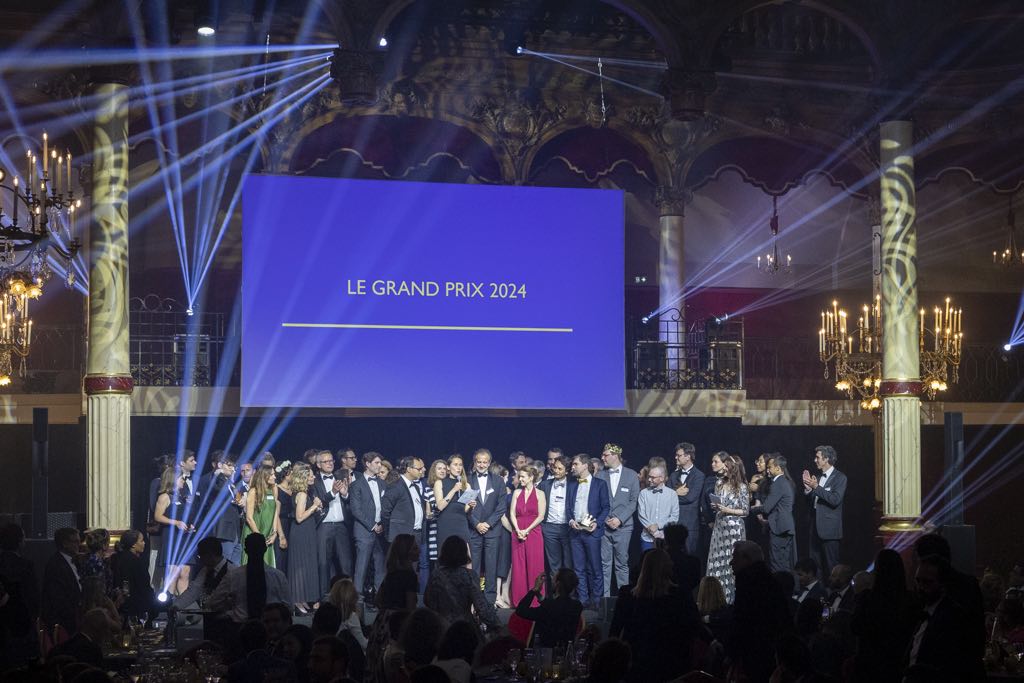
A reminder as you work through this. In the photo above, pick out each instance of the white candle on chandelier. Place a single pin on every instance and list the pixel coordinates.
(58, 173)
(45, 150)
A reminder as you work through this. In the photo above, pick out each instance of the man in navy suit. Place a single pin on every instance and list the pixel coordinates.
(826, 494)
(62, 592)
(778, 507)
(401, 508)
(364, 500)
(587, 501)
(485, 521)
(688, 483)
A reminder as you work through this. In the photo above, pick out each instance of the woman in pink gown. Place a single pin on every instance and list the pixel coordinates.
(526, 513)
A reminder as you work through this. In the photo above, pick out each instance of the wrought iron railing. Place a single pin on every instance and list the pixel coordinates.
(169, 347)
(666, 354)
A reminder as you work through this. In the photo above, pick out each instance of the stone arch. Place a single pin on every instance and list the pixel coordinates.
(593, 153)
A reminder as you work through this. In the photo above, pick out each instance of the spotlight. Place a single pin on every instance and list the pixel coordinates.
(206, 30)
(189, 311)
(162, 597)
(383, 42)
(519, 49)
(1007, 347)
(205, 18)
(719, 319)
(645, 320)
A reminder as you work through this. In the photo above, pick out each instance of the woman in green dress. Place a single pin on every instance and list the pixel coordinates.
(262, 513)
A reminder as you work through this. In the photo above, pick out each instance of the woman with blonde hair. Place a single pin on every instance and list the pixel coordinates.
(731, 504)
(451, 514)
(526, 511)
(343, 595)
(262, 513)
(303, 569)
(167, 512)
(714, 611)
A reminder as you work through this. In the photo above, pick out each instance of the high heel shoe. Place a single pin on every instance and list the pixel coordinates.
(301, 610)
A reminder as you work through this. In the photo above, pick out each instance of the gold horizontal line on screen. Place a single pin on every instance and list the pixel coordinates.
(456, 328)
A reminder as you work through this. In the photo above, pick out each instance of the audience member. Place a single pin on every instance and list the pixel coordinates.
(247, 589)
(400, 585)
(62, 592)
(256, 663)
(345, 597)
(85, 644)
(94, 561)
(277, 617)
(453, 589)
(685, 567)
(883, 619)
(713, 609)
(963, 589)
(611, 662)
(558, 618)
(457, 648)
(131, 570)
(326, 620)
(810, 587)
(295, 645)
(18, 638)
(419, 639)
(760, 613)
(841, 592)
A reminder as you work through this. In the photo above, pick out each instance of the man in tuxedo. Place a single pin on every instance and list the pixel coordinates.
(840, 586)
(825, 494)
(401, 507)
(62, 591)
(213, 567)
(364, 502)
(590, 504)
(940, 649)
(555, 527)
(485, 521)
(778, 507)
(190, 492)
(516, 461)
(624, 492)
(334, 543)
(688, 483)
(809, 587)
(222, 515)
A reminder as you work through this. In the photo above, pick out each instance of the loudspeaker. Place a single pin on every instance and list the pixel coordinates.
(954, 461)
(962, 544)
(40, 467)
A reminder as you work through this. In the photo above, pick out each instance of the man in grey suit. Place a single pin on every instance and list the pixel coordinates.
(364, 500)
(485, 521)
(688, 483)
(825, 494)
(778, 507)
(401, 507)
(624, 488)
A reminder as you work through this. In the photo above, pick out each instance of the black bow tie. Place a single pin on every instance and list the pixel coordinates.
(657, 490)
(327, 476)
(615, 471)
(559, 484)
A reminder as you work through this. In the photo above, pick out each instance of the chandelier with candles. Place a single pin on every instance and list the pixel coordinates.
(37, 223)
(852, 353)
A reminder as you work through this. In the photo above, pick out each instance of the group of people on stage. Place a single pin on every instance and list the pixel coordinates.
(326, 516)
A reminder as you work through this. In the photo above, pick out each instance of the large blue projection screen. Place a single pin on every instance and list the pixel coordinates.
(380, 294)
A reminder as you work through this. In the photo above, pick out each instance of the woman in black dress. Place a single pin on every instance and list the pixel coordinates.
(303, 571)
(285, 499)
(132, 572)
(451, 514)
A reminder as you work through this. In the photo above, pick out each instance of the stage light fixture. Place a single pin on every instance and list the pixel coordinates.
(383, 42)
(645, 320)
(1007, 347)
(162, 597)
(205, 18)
(189, 312)
(519, 49)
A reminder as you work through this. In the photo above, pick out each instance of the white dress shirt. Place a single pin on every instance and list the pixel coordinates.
(556, 507)
(806, 591)
(74, 569)
(582, 498)
(482, 480)
(231, 599)
(374, 485)
(197, 585)
(335, 511)
(825, 474)
(614, 475)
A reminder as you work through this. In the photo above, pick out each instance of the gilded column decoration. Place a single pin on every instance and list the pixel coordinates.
(901, 383)
(108, 382)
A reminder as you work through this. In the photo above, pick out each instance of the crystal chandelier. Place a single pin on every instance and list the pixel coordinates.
(1011, 255)
(37, 218)
(772, 262)
(852, 354)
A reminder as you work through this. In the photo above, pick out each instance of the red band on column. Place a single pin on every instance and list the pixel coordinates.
(906, 388)
(108, 384)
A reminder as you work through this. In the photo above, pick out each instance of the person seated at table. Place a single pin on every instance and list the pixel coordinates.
(212, 568)
(84, 646)
(557, 619)
(246, 590)
(257, 664)
(130, 567)
(453, 590)
(456, 651)
(328, 661)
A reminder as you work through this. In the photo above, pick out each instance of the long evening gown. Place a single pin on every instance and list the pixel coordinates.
(728, 529)
(303, 569)
(528, 555)
(264, 517)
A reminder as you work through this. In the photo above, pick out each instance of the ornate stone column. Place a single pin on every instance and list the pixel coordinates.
(671, 202)
(108, 382)
(901, 381)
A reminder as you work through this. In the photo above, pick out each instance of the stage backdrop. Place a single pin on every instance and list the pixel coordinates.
(359, 293)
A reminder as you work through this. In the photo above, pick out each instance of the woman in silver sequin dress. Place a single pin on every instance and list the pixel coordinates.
(729, 518)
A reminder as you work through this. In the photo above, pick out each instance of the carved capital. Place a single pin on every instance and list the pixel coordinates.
(356, 75)
(672, 201)
(686, 90)
(519, 120)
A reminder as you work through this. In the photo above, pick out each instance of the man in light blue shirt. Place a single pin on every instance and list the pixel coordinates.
(656, 509)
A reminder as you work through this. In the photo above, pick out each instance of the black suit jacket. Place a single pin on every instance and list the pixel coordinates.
(361, 506)
(324, 494)
(817, 592)
(778, 507)
(556, 620)
(493, 508)
(942, 647)
(62, 595)
(219, 510)
(685, 570)
(398, 512)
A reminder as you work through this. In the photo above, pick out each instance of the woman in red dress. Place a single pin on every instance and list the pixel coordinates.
(526, 513)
